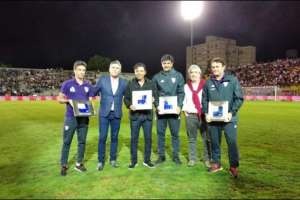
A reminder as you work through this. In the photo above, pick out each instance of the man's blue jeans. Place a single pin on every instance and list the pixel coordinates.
(135, 126)
(103, 132)
(230, 130)
(72, 124)
(174, 125)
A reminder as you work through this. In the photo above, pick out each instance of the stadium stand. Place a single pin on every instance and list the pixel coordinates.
(281, 72)
(281, 76)
(47, 82)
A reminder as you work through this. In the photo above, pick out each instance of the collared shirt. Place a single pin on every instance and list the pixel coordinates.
(214, 79)
(73, 90)
(114, 87)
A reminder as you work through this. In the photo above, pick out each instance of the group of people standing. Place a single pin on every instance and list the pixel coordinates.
(193, 98)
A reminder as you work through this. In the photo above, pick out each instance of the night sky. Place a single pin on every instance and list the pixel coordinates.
(54, 34)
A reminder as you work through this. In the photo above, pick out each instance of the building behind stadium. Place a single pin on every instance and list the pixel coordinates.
(225, 48)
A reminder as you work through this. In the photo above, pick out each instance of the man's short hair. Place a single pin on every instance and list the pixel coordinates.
(218, 60)
(167, 57)
(78, 63)
(191, 67)
(115, 62)
(139, 65)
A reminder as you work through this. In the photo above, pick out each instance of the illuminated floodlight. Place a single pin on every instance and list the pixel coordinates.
(191, 9)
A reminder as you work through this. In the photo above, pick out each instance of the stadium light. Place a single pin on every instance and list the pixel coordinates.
(190, 10)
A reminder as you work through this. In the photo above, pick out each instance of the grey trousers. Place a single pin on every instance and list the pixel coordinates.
(193, 126)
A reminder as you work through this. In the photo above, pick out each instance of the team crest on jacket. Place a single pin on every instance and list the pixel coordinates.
(225, 84)
(173, 80)
(86, 89)
(72, 89)
(212, 87)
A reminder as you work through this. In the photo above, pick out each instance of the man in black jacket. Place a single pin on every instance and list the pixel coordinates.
(140, 118)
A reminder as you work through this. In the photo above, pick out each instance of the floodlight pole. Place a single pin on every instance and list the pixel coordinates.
(192, 56)
(191, 25)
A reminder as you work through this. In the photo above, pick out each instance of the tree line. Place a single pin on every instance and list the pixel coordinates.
(96, 62)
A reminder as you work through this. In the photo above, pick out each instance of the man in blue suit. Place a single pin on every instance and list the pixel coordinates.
(111, 90)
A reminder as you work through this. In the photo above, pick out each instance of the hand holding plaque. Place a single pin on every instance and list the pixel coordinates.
(82, 108)
(168, 105)
(142, 100)
(228, 118)
(218, 111)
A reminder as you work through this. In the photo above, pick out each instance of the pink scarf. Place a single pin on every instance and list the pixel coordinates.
(196, 100)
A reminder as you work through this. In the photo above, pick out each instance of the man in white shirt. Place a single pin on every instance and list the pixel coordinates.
(194, 116)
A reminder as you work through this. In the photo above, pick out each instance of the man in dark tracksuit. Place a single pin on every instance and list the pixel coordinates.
(140, 118)
(169, 82)
(223, 87)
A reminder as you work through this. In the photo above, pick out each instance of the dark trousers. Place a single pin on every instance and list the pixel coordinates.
(174, 125)
(72, 124)
(230, 130)
(135, 126)
(103, 132)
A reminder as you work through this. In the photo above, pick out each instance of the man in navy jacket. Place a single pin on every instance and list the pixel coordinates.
(111, 90)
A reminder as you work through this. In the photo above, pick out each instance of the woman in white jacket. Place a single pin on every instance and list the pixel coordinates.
(195, 120)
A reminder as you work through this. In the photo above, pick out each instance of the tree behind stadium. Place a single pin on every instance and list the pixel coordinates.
(98, 62)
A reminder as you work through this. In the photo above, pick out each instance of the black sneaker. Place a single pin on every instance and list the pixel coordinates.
(177, 161)
(100, 166)
(63, 170)
(80, 168)
(132, 165)
(148, 164)
(160, 160)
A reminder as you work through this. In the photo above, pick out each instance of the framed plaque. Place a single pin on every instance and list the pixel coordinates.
(167, 105)
(218, 110)
(142, 100)
(83, 108)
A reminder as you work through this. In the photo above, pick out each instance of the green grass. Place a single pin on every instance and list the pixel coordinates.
(31, 138)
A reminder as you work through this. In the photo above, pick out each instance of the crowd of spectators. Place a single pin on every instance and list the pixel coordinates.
(23, 82)
(281, 72)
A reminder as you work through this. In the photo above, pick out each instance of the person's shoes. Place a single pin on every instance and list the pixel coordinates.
(234, 172)
(80, 168)
(207, 163)
(132, 165)
(63, 170)
(215, 168)
(160, 160)
(177, 161)
(148, 164)
(100, 166)
(191, 163)
(114, 164)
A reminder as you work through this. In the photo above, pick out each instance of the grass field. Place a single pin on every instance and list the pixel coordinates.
(30, 145)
